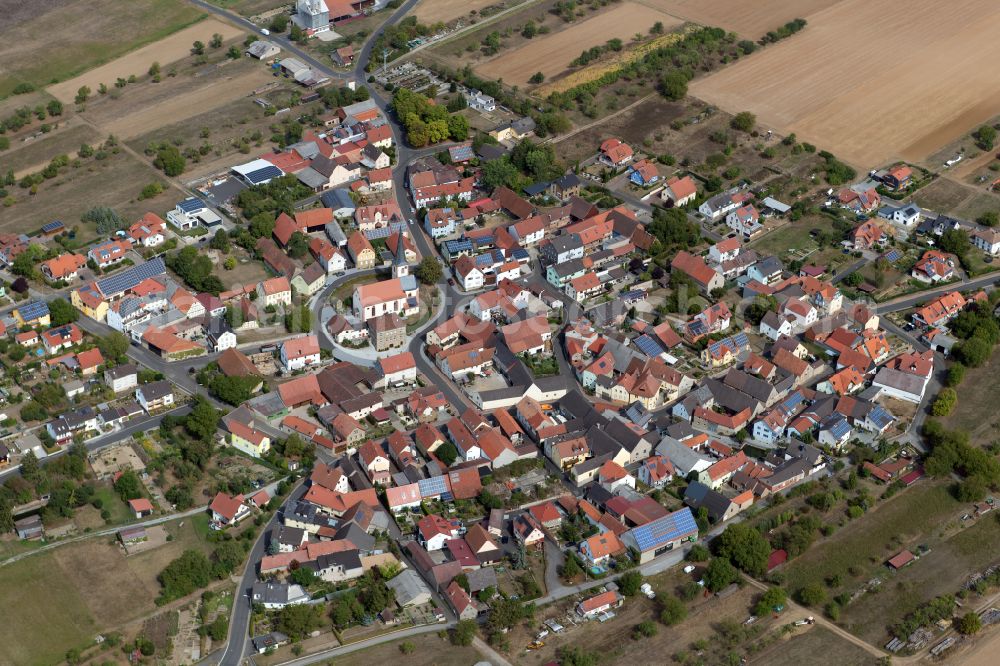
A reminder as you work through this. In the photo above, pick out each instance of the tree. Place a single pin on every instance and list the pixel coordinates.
(62, 312)
(304, 576)
(744, 121)
(169, 160)
(407, 647)
(630, 582)
(220, 241)
(945, 402)
(106, 219)
(970, 624)
(184, 575)
(198, 48)
(698, 553)
(113, 345)
(151, 190)
(986, 137)
(298, 245)
(812, 595)
(529, 30)
(989, 219)
(746, 547)
(228, 555)
(458, 128)
(761, 305)
(82, 94)
(571, 567)
(446, 453)
(279, 23)
(537, 77)
(955, 241)
(973, 352)
(216, 41)
(234, 53)
(30, 469)
(673, 612)
(719, 574)
(773, 598)
(674, 85)
(128, 486)
(299, 621)
(956, 373)
(219, 628)
(464, 632)
(55, 108)
(429, 270)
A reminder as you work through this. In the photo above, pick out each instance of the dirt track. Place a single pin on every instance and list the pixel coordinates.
(165, 51)
(551, 54)
(872, 86)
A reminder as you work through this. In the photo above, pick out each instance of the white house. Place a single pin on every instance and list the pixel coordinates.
(155, 395)
(906, 216)
(773, 325)
(987, 240)
(300, 352)
(801, 312)
(397, 369)
(724, 250)
(468, 274)
(122, 378)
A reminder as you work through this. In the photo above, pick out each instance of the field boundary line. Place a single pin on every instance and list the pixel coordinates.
(473, 26)
(582, 128)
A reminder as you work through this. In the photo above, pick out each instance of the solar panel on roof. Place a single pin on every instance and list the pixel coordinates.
(664, 530)
(697, 327)
(128, 279)
(33, 310)
(893, 255)
(432, 487)
(520, 253)
(55, 225)
(648, 346)
(263, 174)
(191, 205)
(741, 339)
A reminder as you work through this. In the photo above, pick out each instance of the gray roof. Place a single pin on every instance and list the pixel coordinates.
(681, 456)
(699, 495)
(480, 579)
(901, 381)
(156, 390)
(769, 265)
(408, 586)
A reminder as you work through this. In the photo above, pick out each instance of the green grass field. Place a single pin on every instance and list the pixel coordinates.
(75, 37)
(46, 615)
(909, 518)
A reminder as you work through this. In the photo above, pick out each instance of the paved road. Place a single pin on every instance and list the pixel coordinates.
(238, 642)
(907, 302)
(132, 427)
(843, 273)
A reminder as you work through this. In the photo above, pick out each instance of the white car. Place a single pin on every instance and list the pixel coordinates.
(265, 32)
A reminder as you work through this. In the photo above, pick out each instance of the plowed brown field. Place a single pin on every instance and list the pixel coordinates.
(871, 85)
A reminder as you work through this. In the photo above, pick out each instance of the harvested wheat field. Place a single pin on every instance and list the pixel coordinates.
(747, 18)
(446, 11)
(552, 54)
(165, 51)
(175, 108)
(872, 86)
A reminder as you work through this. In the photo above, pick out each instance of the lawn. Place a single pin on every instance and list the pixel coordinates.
(120, 512)
(57, 608)
(51, 615)
(943, 570)
(87, 34)
(907, 519)
(976, 398)
(815, 646)
(429, 650)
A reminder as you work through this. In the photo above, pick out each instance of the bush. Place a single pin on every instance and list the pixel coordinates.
(630, 583)
(673, 612)
(811, 595)
(698, 553)
(771, 599)
(464, 632)
(956, 373)
(743, 121)
(945, 402)
(645, 629)
(970, 624)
